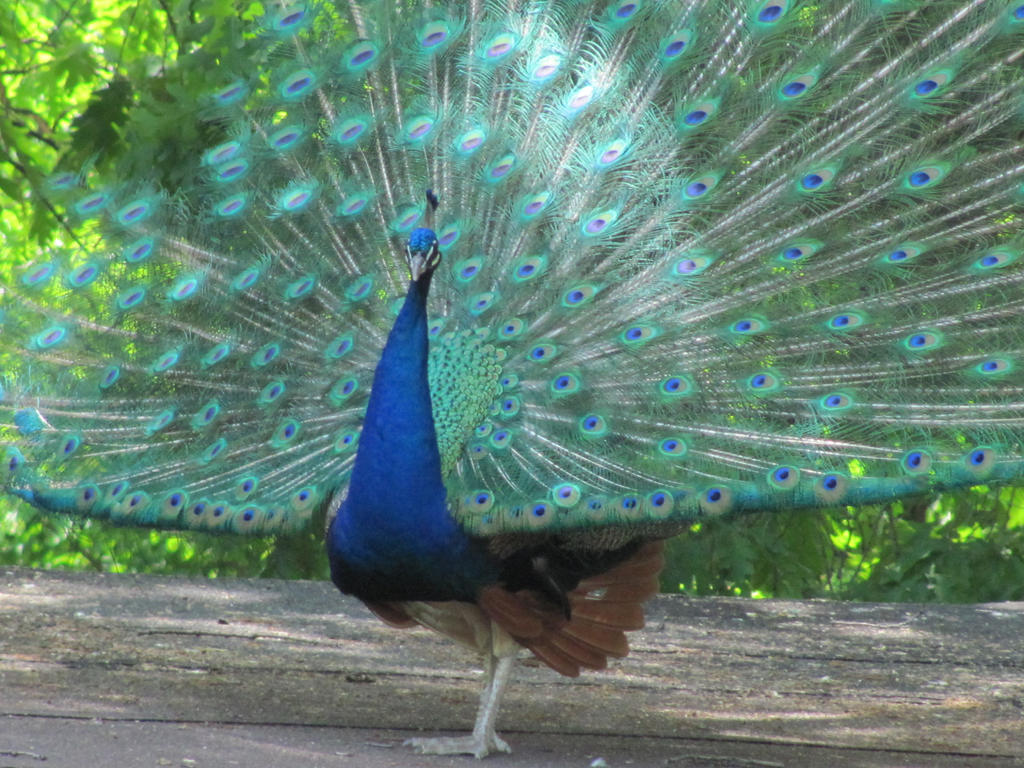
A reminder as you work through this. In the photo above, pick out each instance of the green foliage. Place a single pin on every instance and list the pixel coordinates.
(106, 88)
(38, 540)
(963, 547)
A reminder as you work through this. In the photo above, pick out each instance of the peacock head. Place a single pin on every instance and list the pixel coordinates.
(422, 252)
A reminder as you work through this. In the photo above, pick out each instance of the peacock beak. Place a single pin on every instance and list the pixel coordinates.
(417, 265)
(423, 262)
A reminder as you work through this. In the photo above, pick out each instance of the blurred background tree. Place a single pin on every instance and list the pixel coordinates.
(115, 87)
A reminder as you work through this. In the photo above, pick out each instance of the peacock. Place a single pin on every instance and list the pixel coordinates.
(513, 291)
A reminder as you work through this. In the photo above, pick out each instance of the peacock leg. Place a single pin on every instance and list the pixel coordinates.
(484, 741)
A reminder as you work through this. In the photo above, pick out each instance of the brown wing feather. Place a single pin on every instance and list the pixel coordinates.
(602, 608)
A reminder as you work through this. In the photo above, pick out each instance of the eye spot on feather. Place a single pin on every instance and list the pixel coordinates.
(287, 431)
(295, 199)
(994, 366)
(110, 376)
(528, 268)
(794, 88)
(566, 495)
(533, 205)
(512, 328)
(433, 35)
(922, 341)
(206, 415)
(672, 447)
(749, 326)
(304, 498)
(265, 355)
(349, 131)
(246, 486)
(83, 275)
(160, 421)
(360, 56)
(932, 84)
(501, 167)
(61, 181)
(346, 441)
(763, 383)
(39, 275)
(639, 334)
(499, 46)
(139, 251)
(916, 462)
(285, 138)
(69, 445)
(510, 407)
(466, 270)
(579, 295)
(676, 386)
(540, 514)
(580, 98)
(565, 384)
(659, 499)
(541, 353)
(926, 176)
(289, 21)
(165, 362)
(784, 478)
(271, 392)
(845, 321)
(831, 488)
(673, 46)
(836, 401)
(297, 84)
(343, 389)
(995, 260)
(593, 425)
(300, 288)
(598, 222)
(134, 212)
(716, 500)
(480, 502)
(212, 451)
(698, 188)
(481, 302)
(185, 288)
(91, 203)
(230, 94)
(545, 67)
(625, 10)
(418, 128)
(770, 13)
(232, 205)
(800, 250)
(978, 457)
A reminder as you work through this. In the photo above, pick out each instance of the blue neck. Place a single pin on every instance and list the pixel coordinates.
(393, 537)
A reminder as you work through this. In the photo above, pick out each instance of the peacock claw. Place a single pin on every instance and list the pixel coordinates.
(478, 746)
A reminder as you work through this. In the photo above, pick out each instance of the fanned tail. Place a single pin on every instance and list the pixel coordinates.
(699, 258)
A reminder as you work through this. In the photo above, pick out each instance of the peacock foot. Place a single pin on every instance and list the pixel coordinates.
(479, 746)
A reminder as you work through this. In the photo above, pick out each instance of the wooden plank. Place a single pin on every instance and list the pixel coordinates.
(752, 682)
